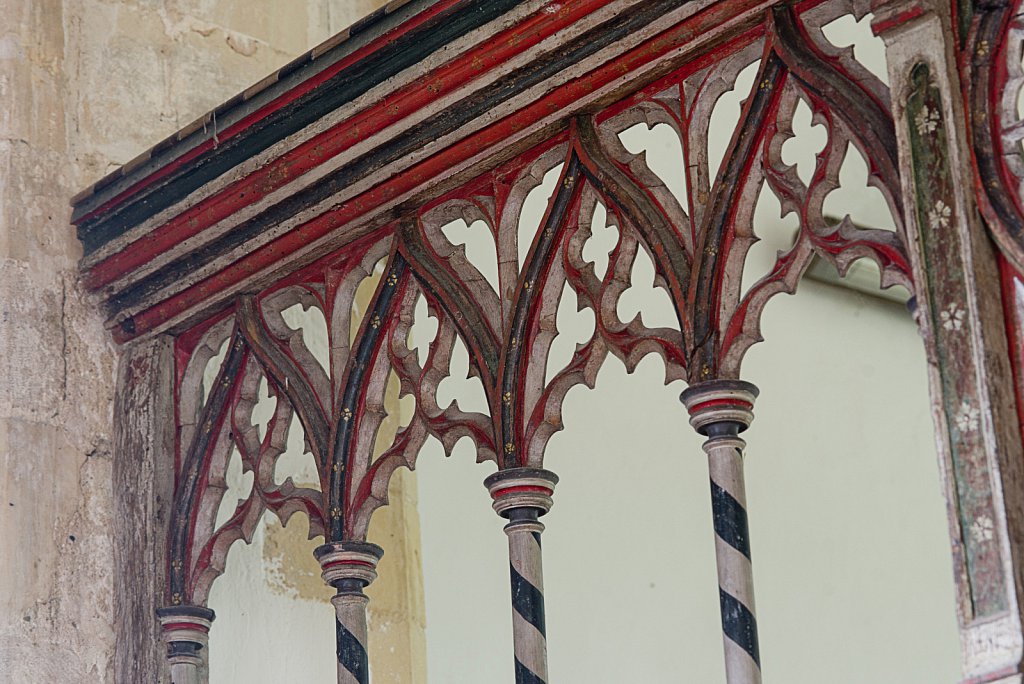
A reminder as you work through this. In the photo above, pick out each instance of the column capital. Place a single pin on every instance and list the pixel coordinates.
(186, 631)
(725, 403)
(346, 561)
(521, 488)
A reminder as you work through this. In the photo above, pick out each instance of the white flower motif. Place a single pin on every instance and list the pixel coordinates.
(982, 529)
(966, 418)
(953, 317)
(938, 217)
(927, 121)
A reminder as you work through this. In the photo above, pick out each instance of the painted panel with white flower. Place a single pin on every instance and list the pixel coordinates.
(980, 560)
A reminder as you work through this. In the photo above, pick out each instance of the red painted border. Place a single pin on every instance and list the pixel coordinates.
(883, 25)
(711, 403)
(524, 488)
(337, 563)
(186, 625)
(993, 676)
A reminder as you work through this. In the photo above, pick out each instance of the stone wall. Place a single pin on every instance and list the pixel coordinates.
(86, 85)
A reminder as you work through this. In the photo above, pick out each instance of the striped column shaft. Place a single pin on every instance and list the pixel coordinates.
(526, 571)
(350, 567)
(186, 631)
(720, 410)
(523, 495)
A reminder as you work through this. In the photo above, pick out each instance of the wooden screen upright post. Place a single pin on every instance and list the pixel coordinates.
(143, 490)
(959, 311)
(720, 410)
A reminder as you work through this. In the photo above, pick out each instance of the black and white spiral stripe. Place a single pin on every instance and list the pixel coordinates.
(732, 551)
(527, 581)
(522, 495)
(353, 661)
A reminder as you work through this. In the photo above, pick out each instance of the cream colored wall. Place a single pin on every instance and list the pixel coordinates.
(271, 599)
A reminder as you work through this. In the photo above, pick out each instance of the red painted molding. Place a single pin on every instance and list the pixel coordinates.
(436, 167)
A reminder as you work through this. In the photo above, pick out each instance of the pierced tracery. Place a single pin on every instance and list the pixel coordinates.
(694, 223)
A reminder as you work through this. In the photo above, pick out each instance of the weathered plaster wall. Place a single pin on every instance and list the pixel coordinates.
(85, 85)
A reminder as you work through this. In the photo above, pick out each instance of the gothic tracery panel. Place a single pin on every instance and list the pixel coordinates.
(694, 223)
(301, 260)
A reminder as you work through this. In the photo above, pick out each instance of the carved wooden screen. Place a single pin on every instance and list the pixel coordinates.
(353, 158)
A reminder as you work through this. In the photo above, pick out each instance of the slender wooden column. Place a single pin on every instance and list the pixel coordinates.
(186, 631)
(350, 567)
(522, 495)
(720, 410)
